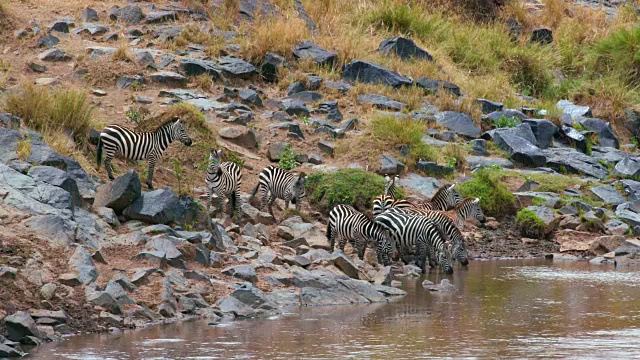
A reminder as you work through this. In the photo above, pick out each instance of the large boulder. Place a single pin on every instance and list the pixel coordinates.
(606, 137)
(521, 150)
(119, 193)
(156, 207)
(20, 325)
(460, 123)
(81, 262)
(247, 301)
(629, 213)
(522, 130)
(406, 49)
(608, 194)
(58, 229)
(628, 167)
(367, 72)
(340, 260)
(546, 215)
(543, 130)
(130, 15)
(320, 56)
(575, 162)
(426, 186)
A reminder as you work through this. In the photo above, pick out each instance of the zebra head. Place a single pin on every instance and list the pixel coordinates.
(459, 252)
(215, 157)
(179, 132)
(384, 248)
(444, 259)
(453, 196)
(381, 203)
(476, 211)
(298, 186)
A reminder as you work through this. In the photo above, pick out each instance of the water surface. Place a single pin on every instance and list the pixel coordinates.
(503, 309)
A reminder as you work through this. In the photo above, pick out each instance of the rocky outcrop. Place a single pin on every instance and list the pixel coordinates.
(156, 207)
(574, 162)
(119, 193)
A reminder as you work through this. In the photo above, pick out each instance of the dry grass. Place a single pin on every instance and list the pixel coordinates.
(122, 53)
(23, 148)
(104, 71)
(202, 81)
(272, 34)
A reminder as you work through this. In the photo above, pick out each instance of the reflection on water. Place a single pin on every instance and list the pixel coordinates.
(503, 309)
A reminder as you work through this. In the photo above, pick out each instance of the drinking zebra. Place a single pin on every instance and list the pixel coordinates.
(276, 183)
(348, 224)
(412, 231)
(223, 179)
(390, 186)
(446, 198)
(118, 140)
(383, 202)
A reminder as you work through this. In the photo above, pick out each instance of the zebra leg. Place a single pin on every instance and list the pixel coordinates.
(298, 204)
(152, 166)
(107, 164)
(342, 243)
(421, 256)
(271, 200)
(235, 197)
(209, 190)
(361, 243)
(265, 198)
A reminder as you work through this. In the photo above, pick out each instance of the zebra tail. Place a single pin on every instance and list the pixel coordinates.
(99, 152)
(255, 191)
(329, 230)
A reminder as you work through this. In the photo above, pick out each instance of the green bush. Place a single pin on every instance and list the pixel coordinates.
(287, 159)
(353, 187)
(619, 55)
(529, 224)
(506, 122)
(494, 196)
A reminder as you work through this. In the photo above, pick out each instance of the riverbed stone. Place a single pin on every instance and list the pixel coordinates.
(20, 325)
(247, 301)
(82, 263)
(339, 259)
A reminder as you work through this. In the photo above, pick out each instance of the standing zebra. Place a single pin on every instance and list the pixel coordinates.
(412, 231)
(381, 203)
(390, 186)
(446, 198)
(469, 208)
(277, 183)
(118, 140)
(347, 223)
(224, 179)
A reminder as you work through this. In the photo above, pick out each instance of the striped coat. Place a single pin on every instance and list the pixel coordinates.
(276, 183)
(224, 179)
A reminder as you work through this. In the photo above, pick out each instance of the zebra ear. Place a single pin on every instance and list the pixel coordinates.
(476, 200)
(452, 186)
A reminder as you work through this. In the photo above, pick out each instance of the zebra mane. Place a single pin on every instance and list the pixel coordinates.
(440, 191)
(169, 122)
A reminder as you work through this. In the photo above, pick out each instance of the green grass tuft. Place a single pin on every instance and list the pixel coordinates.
(494, 196)
(529, 224)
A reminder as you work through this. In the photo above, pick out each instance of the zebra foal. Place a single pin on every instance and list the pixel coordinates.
(276, 183)
(224, 179)
(117, 140)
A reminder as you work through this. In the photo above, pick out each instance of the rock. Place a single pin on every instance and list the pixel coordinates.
(61, 25)
(574, 162)
(275, 150)
(307, 96)
(629, 246)
(118, 293)
(383, 277)
(248, 8)
(247, 301)
(59, 178)
(294, 107)
(125, 82)
(574, 111)
(404, 48)
(69, 279)
(616, 227)
(520, 149)
(631, 189)
(9, 352)
(168, 77)
(255, 216)
(296, 132)
(339, 259)
(628, 213)
(7, 272)
(380, 102)
(508, 113)
(433, 169)
(54, 55)
(479, 147)
(424, 186)
(320, 56)
(546, 215)
(628, 167)
(570, 222)
(270, 66)
(156, 207)
(460, 123)
(250, 97)
(47, 291)
(389, 165)
(478, 162)
(160, 17)
(82, 263)
(237, 68)
(326, 147)
(340, 86)
(433, 86)
(295, 88)
(489, 106)
(444, 286)
(195, 67)
(606, 137)
(131, 14)
(39, 68)
(331, 109)
(20, 325)
(314, 235)
(367, 72)
(608, 194)
(543, 130)
(48, 41)
(88, 15)
(542, 36)
(103, 299)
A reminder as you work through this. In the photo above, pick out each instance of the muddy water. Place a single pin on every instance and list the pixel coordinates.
(503, 309)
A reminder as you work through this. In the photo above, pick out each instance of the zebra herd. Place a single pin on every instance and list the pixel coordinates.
(430, 230)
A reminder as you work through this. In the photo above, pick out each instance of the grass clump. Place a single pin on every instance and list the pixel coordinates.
(618, 55)
(390, 131)
(529, 224)
(456, 155)
(41, 109)
(122, 53)
(495, 197)
(553, 183)
(353, 187)
(277, 34)
(23, 149)
(288, 158)
(506, 122)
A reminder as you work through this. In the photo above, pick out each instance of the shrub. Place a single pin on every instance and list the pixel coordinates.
(494, 196)
(65, 110)
(529, 224)
(530, 68)
(506, 122)
(287, 159)
(425, 152)
(619, 55)
(354, 187)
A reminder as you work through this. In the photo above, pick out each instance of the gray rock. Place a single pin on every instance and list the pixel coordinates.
(59, 230)
(61, 25)
(460, 123)
(433, 86)
(294, 107)
(156, 207)
(489, 106)
(275, 150)
(340, 260)
(47, 291)
(608, 194)
(380, 102)
(307, 96)
(628, 212)
(166, 32)
(508, 113)
(616, 227)
(628, 167)
(250, 97)
(88, 15)
(236, 68)
(631, 189)
(420, 185)
(125, 82)
(160, 17)
(340, 86)
(521, 150)
(295, 88)
(130, 14)
(103, 299)
(270, 66)
(168, 77)
(119, 193)
(320, 56)
(367, 72)
(574, 111)
(82, 263)
(243, 272)
(194, 67)
(543, 130)
(59, 178)
(20, 325)
(92, 29)
(48, 41)
(248, 8)
(479, 147)
(118, 293)
(606, 137)
(9, 352)
(247, 301)
(542, 36)
(54, 55)
(331, 109)
(609, 155)
(404, 48)
(575, 162)
(546, 215)
(389, 165)
(326, 147)
(444, 286)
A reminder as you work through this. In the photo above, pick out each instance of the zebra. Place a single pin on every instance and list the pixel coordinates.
(347, 223)
(412, 231)
(446, 198)
(469, 208)
(223, 179)
(448, 225)
(383, 202)
(390, 186)
(118, 140)
(277, 183)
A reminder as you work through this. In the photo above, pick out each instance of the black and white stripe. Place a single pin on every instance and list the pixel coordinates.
(381, 203)
(446, 198)
(469, 208)
(413, 232)
(348, 224)
(390, 185)
(120, 141)
(224, 179)
(276, 183)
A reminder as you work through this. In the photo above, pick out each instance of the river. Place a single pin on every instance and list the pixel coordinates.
(503, 309)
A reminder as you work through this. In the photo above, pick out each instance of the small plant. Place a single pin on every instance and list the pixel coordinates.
(506, 122)
(122, 53)
(306, 121)
(288, 159)
(452, 162)
(178, 170)
(23, 148)
(455, 155)
(134, 115)
(236, 158)
(530, 225)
